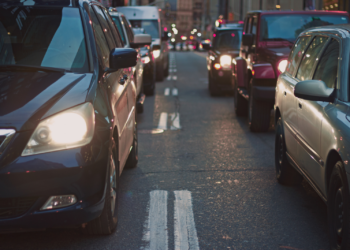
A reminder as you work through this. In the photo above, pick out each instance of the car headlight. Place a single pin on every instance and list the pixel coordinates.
(156, 53)
(68, 129)
(282, 65)
(225, 61)
(145, 59)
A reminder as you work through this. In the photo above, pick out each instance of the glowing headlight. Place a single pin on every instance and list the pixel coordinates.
(225, 61)
(282, 65)
(156, 53)
(145, 59)
(68, 129)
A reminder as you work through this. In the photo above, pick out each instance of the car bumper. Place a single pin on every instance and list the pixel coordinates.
(222, 79)
(28, 182)
(148, 75)
(262, 93)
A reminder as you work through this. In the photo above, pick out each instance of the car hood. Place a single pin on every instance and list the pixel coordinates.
(28, 97)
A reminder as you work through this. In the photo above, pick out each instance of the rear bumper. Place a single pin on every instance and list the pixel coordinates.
(222, 79)
(262, 93)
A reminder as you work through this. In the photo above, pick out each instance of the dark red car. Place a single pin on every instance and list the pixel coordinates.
(268, 37)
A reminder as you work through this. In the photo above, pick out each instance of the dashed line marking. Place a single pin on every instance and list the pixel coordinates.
(175, 121)
(174, 92)
(168, 78)
(185, 233)
(175, 78)
(167, 91)
(163, 120)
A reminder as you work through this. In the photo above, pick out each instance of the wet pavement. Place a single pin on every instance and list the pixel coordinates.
(203, 181)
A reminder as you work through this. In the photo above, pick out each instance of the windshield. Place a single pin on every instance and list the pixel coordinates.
(42, 37)
(119, 27)
(288, 27)
(230, 39)
(150, 26)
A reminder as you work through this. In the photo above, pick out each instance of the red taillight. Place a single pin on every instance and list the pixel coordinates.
(217, 66)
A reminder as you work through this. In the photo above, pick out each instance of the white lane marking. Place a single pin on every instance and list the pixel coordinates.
(156, 233)
(166, 91)
(172, 70)
(168, 78)
(185, 232)
(175, 78)
(174, 92)
(163, 120)
(175, 121)
(175, 70)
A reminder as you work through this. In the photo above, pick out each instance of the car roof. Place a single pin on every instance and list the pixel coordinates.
(292, 12)
(339, 28)
(223, 28)
(59, 3)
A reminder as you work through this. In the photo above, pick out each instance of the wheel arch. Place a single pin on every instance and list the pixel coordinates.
(277, 115)
(332, 158)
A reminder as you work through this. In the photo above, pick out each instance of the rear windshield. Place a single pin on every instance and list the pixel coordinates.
(288, 27)
(117, 22)
(230, 39)
(47, 37)
(150, 26)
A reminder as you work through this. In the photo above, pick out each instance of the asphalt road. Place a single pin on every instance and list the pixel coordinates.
(206, 182)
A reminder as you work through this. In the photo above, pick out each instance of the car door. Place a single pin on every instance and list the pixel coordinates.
(288, 102)
(311, 113)
(116, 92)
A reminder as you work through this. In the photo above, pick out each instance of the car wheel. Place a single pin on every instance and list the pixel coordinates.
(285, 173)
(107, 222)
(166, 71)
(133, 156)
(160, 72)
(212, 90)
(259, 114)
(338, 209)
(240, 104)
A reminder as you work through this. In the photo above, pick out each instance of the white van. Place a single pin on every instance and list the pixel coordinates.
(147, 17)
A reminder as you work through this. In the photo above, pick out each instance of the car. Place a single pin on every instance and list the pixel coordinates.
(225, 46)
(128, 39)
(148, 18)
(266, 43)
(67, 115)
(149, 67)
(312, 122)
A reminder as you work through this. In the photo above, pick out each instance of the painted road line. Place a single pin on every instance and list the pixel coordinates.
(155, 234)
(167, 91)
(168, 78)
(174, 92)
(175, 121)
(175, 78)
(185, 233)
(163, 120)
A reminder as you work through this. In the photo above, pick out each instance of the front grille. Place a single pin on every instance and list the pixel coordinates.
(5, 137)
(2, 138)
(14, 207)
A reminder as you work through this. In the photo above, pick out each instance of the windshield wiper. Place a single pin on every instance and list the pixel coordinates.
(18, 67)
(278, 39)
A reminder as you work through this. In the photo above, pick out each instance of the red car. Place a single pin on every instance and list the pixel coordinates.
(268, 37)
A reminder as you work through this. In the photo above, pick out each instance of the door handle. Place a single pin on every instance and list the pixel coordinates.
(122, 81)
(285, 93)
(300, 105)
(125, 77)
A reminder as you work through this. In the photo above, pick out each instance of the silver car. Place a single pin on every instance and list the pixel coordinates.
(312, 118)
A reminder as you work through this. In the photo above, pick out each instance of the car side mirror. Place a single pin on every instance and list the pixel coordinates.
(120, 58)
(141, 40)
(314, 90)
(247, 40)
(206, 46)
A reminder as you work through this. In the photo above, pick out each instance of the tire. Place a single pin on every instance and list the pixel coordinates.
(133, 156)
(159, 72)
(285, 173)
(339, 209)
(240, 103)
(107, 222)
(166, 71)
(212, 90)
(258, 114)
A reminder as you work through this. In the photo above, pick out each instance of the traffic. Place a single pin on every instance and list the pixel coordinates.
(114, 134)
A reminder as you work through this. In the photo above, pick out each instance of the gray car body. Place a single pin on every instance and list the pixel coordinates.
(317, 134)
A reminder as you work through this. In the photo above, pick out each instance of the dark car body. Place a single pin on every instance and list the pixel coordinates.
(33, 95)
(266, 43)
(226, 42)
(312, 121)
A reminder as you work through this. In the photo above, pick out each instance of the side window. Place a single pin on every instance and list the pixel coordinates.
(114, 30)
(254, 27)
(128, 30)
(246, 25)
(309, 58)
(107, 30)
(296, 53)
(327, 67)
(117, 22)
(101, 43)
